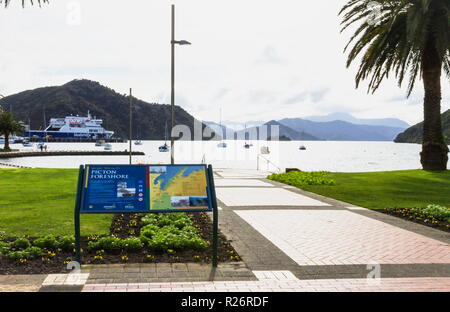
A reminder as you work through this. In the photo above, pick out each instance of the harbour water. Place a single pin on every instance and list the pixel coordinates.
(319, 155)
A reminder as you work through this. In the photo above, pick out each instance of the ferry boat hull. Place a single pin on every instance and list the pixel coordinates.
(65, 135)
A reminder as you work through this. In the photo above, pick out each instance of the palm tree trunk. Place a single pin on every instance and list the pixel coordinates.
(6, 147)
(434, 155)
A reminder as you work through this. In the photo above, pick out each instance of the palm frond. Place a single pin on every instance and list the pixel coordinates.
(396, 42)
(7, 2)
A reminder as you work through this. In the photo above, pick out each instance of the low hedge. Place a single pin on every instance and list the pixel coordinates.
(300, 178)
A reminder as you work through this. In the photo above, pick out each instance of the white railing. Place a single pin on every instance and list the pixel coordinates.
(268, 163)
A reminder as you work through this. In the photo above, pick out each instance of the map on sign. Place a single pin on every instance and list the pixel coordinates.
(177, 187)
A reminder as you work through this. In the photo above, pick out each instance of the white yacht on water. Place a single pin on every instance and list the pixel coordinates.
(164, 148)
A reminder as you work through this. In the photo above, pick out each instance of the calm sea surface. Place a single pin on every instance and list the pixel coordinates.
(330, 156)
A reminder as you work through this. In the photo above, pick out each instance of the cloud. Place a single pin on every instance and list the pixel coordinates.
(220, 94)
(297, 98)
(317, 96)
(270, 56)
(314, 96)
(84, 70)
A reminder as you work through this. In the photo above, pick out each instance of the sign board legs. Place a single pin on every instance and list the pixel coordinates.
(215, 224)
(77, 215)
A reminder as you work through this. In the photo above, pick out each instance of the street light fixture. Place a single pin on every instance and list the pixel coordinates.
(173, 42)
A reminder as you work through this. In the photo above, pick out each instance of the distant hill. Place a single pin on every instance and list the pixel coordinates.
(259, 133)
(222, 131)
(236, 126)
(80, 96)
(341, 130)
(265, 132)
(387, 122)
(414, 133)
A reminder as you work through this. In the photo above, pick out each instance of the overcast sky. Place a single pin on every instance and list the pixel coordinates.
(255, 59)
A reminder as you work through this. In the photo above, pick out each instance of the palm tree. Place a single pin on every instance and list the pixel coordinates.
(406, 37)
(23, 2)
(9, 125)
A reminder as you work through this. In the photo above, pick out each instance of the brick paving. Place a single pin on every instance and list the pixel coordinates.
(166, 272)
(285, 285)
(339, 237)
(21, 283)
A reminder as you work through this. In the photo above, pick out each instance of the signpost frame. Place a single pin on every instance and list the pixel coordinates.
(212, 202)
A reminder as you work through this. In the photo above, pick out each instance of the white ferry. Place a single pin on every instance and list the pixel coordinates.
(72, 127)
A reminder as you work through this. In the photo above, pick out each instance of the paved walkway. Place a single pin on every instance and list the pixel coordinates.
(318, 237)
(285, 285)
(290, 240)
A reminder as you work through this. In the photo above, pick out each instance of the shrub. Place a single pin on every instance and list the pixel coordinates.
(170, 231)
(4, 248)
(300, 178)
(132, 244)
(149, 231)
(66, 242)
(178, 219)
(28, 253)
(21, 243)
(434, 211)
(149, 219)
(182, 222)
(46, 242)
(34, 252)
(4, 244)
(170, 237)
(106, 243)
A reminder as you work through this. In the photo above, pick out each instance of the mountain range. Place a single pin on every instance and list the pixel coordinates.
(301, 129)
(262, 132)
(77, 97)
(387, 122)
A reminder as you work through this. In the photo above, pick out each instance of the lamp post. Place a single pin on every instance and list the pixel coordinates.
(173, 42)
(131, 122)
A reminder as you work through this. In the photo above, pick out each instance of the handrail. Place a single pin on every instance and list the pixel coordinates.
(267, 162)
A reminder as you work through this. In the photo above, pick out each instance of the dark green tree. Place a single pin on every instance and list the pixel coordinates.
(8, 126)
(405, 38)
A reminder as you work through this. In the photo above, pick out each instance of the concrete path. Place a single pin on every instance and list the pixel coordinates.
(289, 240)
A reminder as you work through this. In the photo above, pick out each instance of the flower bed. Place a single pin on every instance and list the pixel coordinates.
(174, 237)
(433, 215)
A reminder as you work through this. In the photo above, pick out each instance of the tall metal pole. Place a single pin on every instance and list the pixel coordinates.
(131, 122)
(172, 96)
(81, 173)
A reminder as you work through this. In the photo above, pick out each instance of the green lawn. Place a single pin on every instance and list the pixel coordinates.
(392, 189)
(41, 201)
